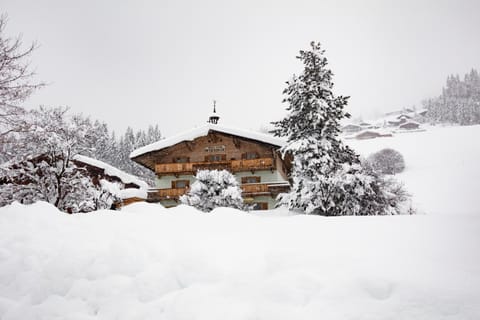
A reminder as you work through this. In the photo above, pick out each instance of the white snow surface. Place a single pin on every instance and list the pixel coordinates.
(148, 262)
(133, 193)
(203, 131)
(442, 166)
(112, 171)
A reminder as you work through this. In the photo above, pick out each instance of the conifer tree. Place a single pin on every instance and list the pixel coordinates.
(327, 176)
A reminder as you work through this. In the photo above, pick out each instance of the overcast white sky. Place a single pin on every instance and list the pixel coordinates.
(135, 63)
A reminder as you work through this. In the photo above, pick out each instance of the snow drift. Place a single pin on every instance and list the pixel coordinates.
(147, 262)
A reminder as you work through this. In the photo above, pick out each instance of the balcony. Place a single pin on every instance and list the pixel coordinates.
(268, 189)
(217, 165)
(253, 189)
(248, 190)
(166, 194)
(252, 164)
(164, 169)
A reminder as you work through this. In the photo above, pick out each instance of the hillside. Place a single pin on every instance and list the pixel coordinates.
(442, 166)
(148, 262)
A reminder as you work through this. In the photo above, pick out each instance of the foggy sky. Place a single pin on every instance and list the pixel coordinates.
(135, 63)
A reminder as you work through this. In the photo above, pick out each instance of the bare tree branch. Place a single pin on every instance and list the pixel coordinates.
(16, 82)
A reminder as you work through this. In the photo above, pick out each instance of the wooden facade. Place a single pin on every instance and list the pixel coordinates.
(98, 173)
(165, 169)
(257, 165)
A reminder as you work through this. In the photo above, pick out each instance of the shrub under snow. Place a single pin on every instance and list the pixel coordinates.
(387, 161)
(212, 189)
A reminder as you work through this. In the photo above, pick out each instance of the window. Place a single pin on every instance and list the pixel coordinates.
(251, 179)
(216, 157)
(250, 155)
(181, 159)
(180, 184)
(260, 206)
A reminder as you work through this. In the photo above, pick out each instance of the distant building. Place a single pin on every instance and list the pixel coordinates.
(395, 123)
(365, 124)
(351, 128)
(371, 134)
(410, 125)
(399, 112)
(404, 117)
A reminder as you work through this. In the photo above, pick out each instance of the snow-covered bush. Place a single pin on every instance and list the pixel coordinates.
(212, 189)
(350, 190)
(328, 178)
(71, 189)
(387, 161)
(43, 170)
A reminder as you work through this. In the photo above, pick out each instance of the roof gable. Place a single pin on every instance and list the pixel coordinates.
(203, 131)
(109, 170)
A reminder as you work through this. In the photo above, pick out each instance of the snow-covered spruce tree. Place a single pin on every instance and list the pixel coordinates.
(212, 189)
(328, 178)
(130, 141)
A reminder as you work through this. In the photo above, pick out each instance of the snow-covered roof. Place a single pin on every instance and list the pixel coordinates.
(112, 171)
(133, 193)
(203, 131)
(409, 124)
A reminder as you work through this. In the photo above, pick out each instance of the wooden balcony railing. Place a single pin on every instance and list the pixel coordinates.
(252, 164)
(273, 189)
(172, 168)
(164, 194)
(218, 165)
(254, 188)
(231, 165)
(248, 190)
(276, 188)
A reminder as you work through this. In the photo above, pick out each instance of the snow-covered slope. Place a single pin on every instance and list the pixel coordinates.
(442, 166)
(148, 262)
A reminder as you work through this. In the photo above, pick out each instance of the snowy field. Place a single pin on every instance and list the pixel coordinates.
(442, 166)
(147, 262)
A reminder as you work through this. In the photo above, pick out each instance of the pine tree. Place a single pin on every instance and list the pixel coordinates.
(212, 189)
(327, 175)
(459, 102)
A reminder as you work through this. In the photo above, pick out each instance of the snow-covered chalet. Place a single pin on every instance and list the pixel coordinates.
(252, 157)
(128, 188)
